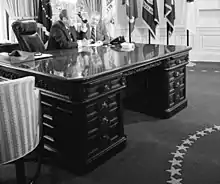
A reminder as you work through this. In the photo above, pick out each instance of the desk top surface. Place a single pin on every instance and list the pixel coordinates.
(93, 61)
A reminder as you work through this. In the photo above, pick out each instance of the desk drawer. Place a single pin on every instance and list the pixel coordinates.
(96, 88)
(102, 122)
(173, 74)
(48, 130)
(46, 108)
(176, 60)
(178, 83)
(103, 137)
(176, 97)
(50, 102)
(50, 142)
(102, 106)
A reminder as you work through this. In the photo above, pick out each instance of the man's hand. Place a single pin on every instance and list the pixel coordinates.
(83, 43)
(90, 41)
(83, 28)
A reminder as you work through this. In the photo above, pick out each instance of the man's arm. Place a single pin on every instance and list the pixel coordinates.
(60, 38)
(83, 32)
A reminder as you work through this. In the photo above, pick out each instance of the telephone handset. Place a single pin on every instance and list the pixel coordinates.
(82, 18)
(118, 40)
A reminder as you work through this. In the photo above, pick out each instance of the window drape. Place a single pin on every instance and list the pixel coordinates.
(93, 5)
(3, 25)
(36, 7)
(18, 9)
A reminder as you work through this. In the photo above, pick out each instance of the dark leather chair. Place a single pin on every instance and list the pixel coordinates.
(27, 35)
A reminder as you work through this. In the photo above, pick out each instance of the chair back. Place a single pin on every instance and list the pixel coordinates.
(27, 35)
(20, 118)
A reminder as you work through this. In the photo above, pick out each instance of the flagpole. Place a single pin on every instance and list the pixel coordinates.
(129, 31)
(187, 37)
(129, 23)
(149, 38)
(167, 34)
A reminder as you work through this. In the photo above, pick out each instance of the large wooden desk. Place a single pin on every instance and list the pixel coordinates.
(82, 95)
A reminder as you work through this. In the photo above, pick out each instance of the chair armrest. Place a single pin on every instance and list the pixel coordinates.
(3, 79)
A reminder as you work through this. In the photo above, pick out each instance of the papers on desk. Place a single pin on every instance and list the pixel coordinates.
(88, 47)
(5, 58)
(127, 46)
(24, 57)
(42, 56)
(27, 56)
(96, 44)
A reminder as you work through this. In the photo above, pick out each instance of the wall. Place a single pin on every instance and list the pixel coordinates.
(140, 33)
(205, 42)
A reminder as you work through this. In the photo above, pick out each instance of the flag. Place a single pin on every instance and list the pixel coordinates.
(131, 11)
(150, 15)
(109, 16)
(169, 14)
(45, 16)
(191, 16)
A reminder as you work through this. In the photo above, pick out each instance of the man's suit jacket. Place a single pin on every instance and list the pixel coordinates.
(101, 33)
(62, 38)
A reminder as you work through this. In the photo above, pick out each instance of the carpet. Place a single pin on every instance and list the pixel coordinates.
(152, 150)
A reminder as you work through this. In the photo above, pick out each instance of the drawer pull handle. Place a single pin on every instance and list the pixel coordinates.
(178, 61)
(106, 137)
(105, 120)
(104, 125)
(176, 74)
(104, 140)
(106, 87)
(123, 81)
(104, 105)
(177, 84)
(177, 97)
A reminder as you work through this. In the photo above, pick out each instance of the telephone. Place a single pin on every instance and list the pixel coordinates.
(15, 53)
(118, 40)
(82, 18)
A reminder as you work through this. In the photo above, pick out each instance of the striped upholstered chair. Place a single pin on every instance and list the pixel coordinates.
(20, 123)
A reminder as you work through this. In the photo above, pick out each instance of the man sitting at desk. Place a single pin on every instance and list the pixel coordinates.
(96, 31)
(64, 36)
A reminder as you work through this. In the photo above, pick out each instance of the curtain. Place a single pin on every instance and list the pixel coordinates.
(3, 25)
(19, 9)
(36, 7)
(93, 5)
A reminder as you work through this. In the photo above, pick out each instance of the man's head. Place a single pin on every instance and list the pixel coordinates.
(95, 18)
(64, 16)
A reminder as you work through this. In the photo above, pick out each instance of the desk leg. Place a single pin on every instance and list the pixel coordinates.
(20, 172)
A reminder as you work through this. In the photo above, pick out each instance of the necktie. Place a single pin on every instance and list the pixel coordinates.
(93, 34)
(70, 34)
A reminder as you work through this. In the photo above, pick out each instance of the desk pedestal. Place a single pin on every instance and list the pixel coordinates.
(159, 91)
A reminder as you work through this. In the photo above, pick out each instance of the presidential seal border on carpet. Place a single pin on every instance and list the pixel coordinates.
(178, 156)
